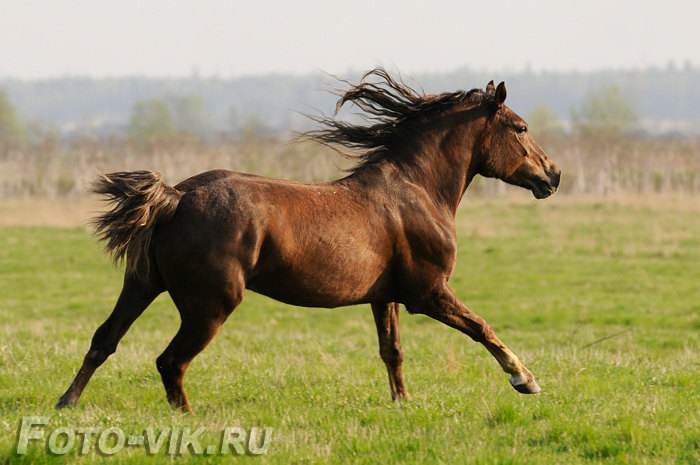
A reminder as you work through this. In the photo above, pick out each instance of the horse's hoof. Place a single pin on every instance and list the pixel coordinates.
(525, 384)
(65, 401)
(62, 404)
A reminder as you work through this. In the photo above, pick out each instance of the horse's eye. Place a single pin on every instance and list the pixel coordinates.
(522, 129)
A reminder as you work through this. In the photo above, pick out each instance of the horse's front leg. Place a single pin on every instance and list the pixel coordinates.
(444, 306)
(386, 317)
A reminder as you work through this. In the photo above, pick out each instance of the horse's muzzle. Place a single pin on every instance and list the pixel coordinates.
(548, 184)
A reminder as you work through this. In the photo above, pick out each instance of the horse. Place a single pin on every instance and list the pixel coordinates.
(383, 235)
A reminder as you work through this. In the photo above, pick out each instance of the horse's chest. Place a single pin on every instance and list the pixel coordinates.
(431, 248)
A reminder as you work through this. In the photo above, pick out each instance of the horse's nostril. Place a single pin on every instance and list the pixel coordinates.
(555, 177)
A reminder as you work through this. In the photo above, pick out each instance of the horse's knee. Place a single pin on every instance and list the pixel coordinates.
(480, 331)
(391, 355)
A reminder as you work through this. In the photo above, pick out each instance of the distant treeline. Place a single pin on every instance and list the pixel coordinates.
(603, 165)
(592, 125)
(666, 101)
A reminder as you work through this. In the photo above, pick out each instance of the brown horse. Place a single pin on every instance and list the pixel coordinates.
(383, 235)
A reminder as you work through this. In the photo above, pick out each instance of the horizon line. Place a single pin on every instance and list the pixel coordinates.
(196, 74)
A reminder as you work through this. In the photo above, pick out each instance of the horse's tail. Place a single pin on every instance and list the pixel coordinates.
(138, 201)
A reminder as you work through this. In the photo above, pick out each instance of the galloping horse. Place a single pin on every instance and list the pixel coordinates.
(383, 235)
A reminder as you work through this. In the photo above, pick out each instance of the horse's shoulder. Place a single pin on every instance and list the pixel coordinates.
(418, 208)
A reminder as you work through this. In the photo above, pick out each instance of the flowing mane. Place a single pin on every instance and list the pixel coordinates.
(390, 109)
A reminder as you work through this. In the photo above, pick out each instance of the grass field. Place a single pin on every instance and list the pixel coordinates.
(551, 277)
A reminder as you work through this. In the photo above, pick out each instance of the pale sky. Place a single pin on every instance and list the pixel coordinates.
(50, 38)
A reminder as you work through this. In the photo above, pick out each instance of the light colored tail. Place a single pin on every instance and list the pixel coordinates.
(138, 201)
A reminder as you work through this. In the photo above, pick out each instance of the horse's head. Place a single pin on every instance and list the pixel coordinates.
(510, 153)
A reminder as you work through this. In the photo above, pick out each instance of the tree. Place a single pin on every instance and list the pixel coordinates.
(190, 115)
(605, 112)
(151, 124)
(11, 130)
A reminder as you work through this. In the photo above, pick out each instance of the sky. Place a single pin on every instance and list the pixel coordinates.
(102, 38)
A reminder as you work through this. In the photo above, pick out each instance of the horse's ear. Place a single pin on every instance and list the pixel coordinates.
(490, 88)
(501, 94)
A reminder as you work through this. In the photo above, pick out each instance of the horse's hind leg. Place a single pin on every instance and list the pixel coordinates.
(444, 306)
(201, 320)
(136, 295)
(386, 317)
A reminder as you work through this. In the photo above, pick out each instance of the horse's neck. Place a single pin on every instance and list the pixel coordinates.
(443, 181)
(441, 159)
(444, 166)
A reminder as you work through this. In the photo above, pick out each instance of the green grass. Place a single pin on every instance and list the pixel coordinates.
(550, 277)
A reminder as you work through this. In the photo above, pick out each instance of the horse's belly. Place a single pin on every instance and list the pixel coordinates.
(322, 287)
(314, 253)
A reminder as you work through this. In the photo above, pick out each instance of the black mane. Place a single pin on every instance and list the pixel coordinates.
(390, 108)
